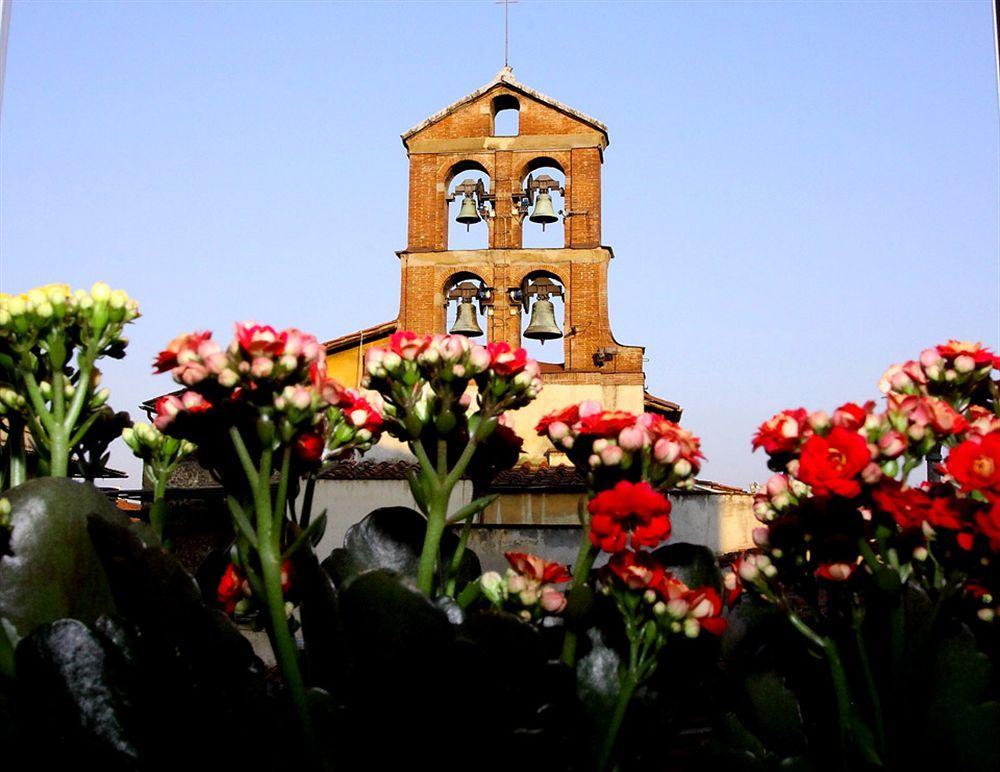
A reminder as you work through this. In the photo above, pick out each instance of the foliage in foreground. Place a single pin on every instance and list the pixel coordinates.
(866, 616)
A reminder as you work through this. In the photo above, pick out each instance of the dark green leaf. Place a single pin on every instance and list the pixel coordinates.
(72, 701)
(53, 571)
(776, 713)
(392, 538)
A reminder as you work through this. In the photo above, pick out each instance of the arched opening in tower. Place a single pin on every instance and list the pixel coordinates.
(543, 317)
(544, 185)
(467, 212)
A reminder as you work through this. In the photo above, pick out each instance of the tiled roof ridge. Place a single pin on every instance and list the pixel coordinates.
(524, 475)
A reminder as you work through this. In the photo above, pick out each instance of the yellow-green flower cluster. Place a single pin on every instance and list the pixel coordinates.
(98, 314)
(154, 447)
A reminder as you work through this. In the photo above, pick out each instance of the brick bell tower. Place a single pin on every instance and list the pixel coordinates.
(506, 186)
(503, 282)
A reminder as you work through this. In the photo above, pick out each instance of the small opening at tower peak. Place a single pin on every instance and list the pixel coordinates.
(506, 116)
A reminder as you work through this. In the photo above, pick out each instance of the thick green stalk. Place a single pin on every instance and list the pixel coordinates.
(439, 494)
(59, 453)
(158, 509)
(437, 513)
(268, 548)
(286, 651)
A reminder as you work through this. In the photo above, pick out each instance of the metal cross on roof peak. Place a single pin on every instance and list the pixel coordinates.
(506, 29)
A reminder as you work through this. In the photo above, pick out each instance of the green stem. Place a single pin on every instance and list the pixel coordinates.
(59, 453)
(85, 367)
(244, 457)
(873, 697)
(35, 397)
(158, 510)
(628, 687)
(456, 559)
(439, 491)
(285, 649)
(837, 676)
(17, 461)
(307, 502)
(581, 574)
(426, 467)
(473, 508)
(269, 590)
(442, 457)
(281, 497)
(437, 511)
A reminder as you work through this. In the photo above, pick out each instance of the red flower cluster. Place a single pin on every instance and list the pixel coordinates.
(831, 464)
(975, 463)
(688, 610)
(911, 508)
(233, 586)
(783, 432)
(507, 361)
(537, 569)
(633, 510)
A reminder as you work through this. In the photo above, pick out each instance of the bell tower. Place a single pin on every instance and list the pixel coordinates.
(504, 244)
(543, 175)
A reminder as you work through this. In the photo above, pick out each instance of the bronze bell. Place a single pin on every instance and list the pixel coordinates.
(544, 213)
(468, 214)
(466, 321)
(543, 325)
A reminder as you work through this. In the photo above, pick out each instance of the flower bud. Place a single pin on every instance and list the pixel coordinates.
(100, 292)
(492, 585)
(677, 608)
(515, 583)
(100, 398)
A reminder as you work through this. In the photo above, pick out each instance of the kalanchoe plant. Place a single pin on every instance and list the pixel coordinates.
(160, 454)
(262, 413)
(425, 381)
(845, 529)
(51, 339)
(628, 461)
(610, 447)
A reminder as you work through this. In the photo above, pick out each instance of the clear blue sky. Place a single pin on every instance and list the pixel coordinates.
(797, 194)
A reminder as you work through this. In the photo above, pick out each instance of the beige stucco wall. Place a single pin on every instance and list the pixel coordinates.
(536, 522)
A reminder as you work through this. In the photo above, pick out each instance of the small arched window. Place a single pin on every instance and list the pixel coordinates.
(506, 116)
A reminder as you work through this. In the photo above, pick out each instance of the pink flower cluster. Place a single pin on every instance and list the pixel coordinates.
(955, 365)
(425, 378)
(280, 373)
(620, 442)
